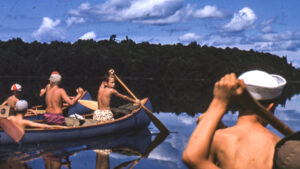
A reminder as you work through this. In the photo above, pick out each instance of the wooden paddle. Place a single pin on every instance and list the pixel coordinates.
(247, 101)
(153, 118)
(11, 129)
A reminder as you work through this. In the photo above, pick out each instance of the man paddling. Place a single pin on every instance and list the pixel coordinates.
(54, 98)
(105, 92)
(246, 145)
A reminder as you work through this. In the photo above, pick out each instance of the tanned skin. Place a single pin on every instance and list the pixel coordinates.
(247, 145)
(106, 91)
(22, 123)
(55, 95)
(11, 101)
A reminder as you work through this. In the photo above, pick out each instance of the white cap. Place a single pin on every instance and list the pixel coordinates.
(262, 85)
(55, 77)
(21, 105)
(16, 87)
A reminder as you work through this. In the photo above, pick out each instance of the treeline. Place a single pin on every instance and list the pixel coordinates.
(90, 59)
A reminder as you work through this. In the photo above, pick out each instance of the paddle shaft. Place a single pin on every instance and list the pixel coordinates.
(154, 119)
(247, 101)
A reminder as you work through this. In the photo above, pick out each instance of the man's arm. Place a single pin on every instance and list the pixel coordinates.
(4, 103)
(67, 99)
(33, 124)
(198, 147)
(116, 93)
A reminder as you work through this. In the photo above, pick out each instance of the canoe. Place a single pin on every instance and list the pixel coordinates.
(135, 120)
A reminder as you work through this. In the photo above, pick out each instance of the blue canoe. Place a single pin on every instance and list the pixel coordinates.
(135, 120)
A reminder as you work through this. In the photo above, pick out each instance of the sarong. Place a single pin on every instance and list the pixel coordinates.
(56, 119)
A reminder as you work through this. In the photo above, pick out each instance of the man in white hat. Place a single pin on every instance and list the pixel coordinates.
(54, 97)
(21, 109)
(246, 145)
(11, 101)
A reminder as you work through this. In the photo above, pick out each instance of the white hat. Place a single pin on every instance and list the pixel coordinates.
(16, 87)
(21, 105)
(262, 85)
(55, 77)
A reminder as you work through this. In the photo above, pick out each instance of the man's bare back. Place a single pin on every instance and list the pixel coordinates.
(244, 146)
(55, 96)
(11, 101)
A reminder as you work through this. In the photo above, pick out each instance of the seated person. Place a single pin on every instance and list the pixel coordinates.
(16, 93)
(105, 92)
(21, 109)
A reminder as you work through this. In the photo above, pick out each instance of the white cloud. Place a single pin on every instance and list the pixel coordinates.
(266, 29)
(74, 20)
(48, 30)
(208, 12)
(189, 37)
(241, 20)
(138, 11)
(88, 36)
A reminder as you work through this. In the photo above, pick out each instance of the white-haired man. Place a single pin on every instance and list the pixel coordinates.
(54, 98)
(247, 145)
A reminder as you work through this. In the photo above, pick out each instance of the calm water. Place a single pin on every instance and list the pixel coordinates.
(136, 149)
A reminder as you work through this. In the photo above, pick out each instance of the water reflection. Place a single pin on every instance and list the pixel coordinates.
(56, 155)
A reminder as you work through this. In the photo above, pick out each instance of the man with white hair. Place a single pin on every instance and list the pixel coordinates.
(246, 145)
(54, 97)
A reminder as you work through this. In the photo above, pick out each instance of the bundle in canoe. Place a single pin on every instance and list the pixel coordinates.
(135, 120)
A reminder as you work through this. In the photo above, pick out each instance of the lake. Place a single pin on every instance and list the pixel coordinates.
(177, 103)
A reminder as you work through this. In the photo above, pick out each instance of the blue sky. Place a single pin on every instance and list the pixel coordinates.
(267, 26)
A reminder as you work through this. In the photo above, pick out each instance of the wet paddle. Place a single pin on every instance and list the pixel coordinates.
(153, 118)
(11, 129)
(246, 100)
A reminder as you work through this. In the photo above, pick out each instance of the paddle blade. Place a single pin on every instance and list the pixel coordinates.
(93, 105)
(12, 130)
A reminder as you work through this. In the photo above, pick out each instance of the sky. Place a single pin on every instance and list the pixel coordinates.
(271, 26)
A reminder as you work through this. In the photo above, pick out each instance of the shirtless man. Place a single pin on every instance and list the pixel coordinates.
(13, 99)
(247, 145)
(21, 109)
(54, 97)
(105, 92)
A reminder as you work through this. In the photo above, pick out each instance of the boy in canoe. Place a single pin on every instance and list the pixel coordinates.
(21, 109)
(14, 98)
(54, 98)
(246, 145)
(105, 92)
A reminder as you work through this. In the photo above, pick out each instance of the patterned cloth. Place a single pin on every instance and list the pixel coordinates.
(103, 115)
(52, 118)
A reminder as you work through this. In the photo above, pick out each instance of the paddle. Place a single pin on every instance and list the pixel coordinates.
(153, 118)
(12, 130)
(246, 100)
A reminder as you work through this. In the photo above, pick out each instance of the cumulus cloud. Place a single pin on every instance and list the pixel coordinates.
(138, 11)
(189, 37)
(88, 36)
(48, 30)
(208, 12)
(241, 20)
(74, 20)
